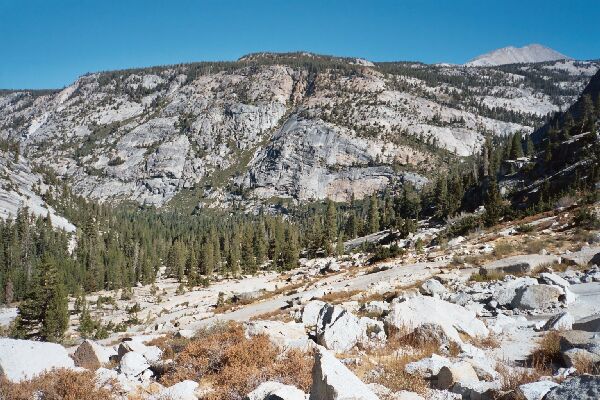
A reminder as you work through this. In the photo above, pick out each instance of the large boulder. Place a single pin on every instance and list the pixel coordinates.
(427, 367)
(133, 364)
(23, 359)
(285, 335)
(582, 257)
(337, 329)
(536, 390)
(91, 355)
(518, 264)
(311, 311)
(589, 324)
(537, 297)
(432, 287)
(505, 291)
(276, 391)
(583, 387)
(331, 380)
(560, 322)
(459, 372)
(452, 318)
(579, 344)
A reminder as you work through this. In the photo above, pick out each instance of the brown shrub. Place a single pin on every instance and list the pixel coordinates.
(585, 365)
(547, 352)
(401, 348)
(511, 379)
(235, 365)
(59, 384)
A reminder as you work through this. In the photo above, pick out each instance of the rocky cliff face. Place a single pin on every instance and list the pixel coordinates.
(294, 126)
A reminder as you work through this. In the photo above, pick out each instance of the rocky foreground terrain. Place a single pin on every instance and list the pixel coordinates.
(270, 126)
(512, 312)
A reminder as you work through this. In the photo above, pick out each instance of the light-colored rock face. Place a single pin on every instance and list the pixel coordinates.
(331, 380)
(21, 187)
(268, 128)
(16, 358)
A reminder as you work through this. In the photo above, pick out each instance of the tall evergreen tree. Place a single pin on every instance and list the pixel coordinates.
(373, 214)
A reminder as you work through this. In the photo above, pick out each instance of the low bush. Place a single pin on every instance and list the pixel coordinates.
(234, 365)
(60, 384)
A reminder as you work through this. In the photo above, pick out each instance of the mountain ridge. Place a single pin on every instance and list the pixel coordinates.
(517, 55)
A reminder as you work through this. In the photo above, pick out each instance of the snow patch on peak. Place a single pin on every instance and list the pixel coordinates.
(516, 55)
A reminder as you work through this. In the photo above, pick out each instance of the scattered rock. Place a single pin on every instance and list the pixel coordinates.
(91, 355)
(432, 287)
(561, 322)
(276, 391)
(582, 257)
(376, 308)
(519, 264)
(23, 359)
(331, 380)
(427, 367)
(185, 390)
(285, 335)
(150, 353)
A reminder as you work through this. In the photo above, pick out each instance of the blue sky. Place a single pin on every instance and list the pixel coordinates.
(49, 43)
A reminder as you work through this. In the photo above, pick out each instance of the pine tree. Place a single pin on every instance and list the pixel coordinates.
(493, 204)
(247, 255)
(442, 200)
(208, 258)
(516, 148)
(86, 324)
(529, 147)
(260, 243)
(290, 251)
(191, 268)
(44, 315)
(373, 214)
(330, 225)
(233, 260)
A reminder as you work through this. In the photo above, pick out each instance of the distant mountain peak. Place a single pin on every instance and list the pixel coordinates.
(515, 55)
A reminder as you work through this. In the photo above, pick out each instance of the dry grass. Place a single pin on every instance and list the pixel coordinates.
(234, 365)
(511, 379)
(547, 352)
(339, 297)
(491, 341)
(503, 249)
(487, 277)
(389, 361)
(585, 365)
(60, 384)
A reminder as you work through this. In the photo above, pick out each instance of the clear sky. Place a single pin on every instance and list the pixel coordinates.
(49, 43)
